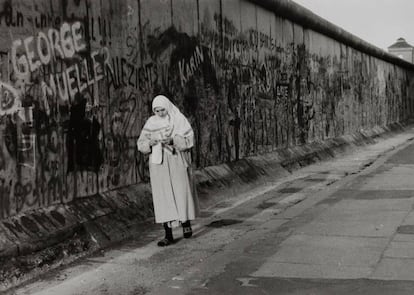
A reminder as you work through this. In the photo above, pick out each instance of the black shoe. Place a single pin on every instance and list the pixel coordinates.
(165, 242)
(187, 231)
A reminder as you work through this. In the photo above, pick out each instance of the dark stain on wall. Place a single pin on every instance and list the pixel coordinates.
(5, 208)
(83, 149)
(10, 136)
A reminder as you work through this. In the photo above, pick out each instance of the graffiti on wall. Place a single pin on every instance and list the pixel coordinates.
(76, 87)
(10, 102)
(31, 53)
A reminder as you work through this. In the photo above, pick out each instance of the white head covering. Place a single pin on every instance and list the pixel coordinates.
(175, 125)
(161, 101)
(177, 121)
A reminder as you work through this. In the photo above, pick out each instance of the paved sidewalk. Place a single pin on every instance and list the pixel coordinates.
(356, 237)
(327, 225)
(340, 239)
(367, 231)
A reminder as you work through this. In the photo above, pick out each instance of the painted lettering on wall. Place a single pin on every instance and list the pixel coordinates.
(9, 99)
(31, 53)
(63, 43)
(188, 67)
(282, 93)
(79, 76)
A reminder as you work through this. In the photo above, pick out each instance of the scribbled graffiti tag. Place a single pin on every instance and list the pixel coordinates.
(9, 99)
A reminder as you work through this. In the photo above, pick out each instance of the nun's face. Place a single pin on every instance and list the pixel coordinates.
(161, 112)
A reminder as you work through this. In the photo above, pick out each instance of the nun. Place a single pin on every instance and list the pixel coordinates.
(168, 137)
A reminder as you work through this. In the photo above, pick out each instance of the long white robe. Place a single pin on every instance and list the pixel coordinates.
(173, 190)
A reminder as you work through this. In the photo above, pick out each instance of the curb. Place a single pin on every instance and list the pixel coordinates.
(114, 216)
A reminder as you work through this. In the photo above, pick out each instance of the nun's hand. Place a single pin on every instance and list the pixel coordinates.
(153, 142)
(168, 141)
(179, 142)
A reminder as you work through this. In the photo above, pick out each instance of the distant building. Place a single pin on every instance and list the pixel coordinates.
(402, 49)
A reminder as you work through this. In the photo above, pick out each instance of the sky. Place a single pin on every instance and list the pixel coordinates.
(379, 22)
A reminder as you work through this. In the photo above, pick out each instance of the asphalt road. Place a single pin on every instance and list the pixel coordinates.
(344, 226)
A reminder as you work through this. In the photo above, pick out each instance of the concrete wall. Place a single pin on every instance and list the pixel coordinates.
(250, 82)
